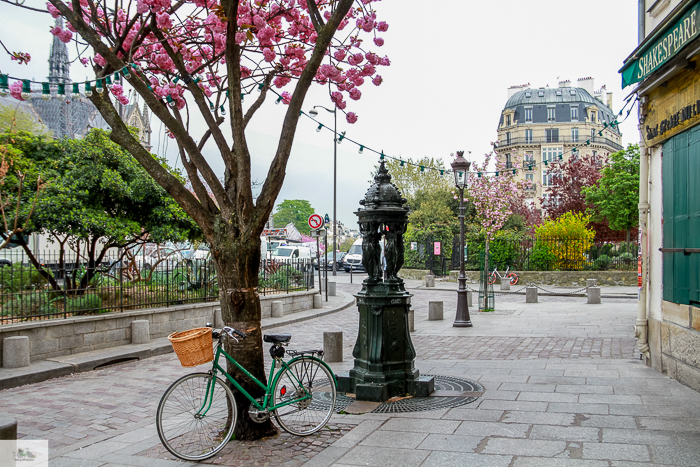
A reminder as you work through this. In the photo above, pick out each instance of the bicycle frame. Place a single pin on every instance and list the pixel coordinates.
(268, 389)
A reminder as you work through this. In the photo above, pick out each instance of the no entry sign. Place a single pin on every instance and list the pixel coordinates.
(315, 221)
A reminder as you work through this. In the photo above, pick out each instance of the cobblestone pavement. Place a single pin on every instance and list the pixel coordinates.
(564, 387)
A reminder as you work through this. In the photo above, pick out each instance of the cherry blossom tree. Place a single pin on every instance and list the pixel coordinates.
(491, 194)
(195, 60)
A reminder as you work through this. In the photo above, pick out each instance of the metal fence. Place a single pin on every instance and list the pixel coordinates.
(65, 287)
(555, 254)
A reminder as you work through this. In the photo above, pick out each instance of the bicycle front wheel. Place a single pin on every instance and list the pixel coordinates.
(492, 278)
(308, 388)
(513, 278)
(185, 427)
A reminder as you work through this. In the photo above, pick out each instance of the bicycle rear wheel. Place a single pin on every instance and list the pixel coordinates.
(492, 278)
(303, 377)
(513, 278)
(186, 434)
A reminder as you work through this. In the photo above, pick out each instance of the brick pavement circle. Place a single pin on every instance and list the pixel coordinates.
(442, 383)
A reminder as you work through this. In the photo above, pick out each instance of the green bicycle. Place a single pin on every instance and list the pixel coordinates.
(197, 415)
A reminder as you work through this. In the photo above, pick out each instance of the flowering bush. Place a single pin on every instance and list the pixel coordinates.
(567, 238)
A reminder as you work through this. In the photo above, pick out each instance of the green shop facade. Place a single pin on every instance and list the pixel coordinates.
(664, 72)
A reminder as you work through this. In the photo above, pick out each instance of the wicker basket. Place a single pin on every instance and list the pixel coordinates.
(193, 347)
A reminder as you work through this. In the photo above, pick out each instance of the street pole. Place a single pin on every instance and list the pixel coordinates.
(462, 319)
(335, 191)
(460, 168)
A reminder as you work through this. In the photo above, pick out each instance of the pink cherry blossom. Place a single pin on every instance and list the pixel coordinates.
(355, 94)
(16, 90)
(382, 26)
(351, 117)
(84, 61)
(378, 41)
(99, 60)
(65, 36)
(269, 55)
(377, 80)
(52, 10)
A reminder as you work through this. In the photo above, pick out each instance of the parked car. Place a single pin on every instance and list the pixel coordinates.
(327, 260)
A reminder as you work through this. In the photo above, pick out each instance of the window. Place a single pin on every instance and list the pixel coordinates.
(558, 93)
(593, 116)
(509, 162)
(528, 160)
(592, 133)
(540, 93)
(528, 136)
(528, 94)
(551, 153)
(574, 114)
(574, 135)
(507, 120)
(508, 138)
(530, 177)
(528, 114)
(551, 114)
(547, 178)
(552, 135)
(573, 93)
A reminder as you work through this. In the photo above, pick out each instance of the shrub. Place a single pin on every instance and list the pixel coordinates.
(16, 278)
(84, 304)
(568, 239)
(542, 258)
(627, 257)
(602, 262)
(31, 305)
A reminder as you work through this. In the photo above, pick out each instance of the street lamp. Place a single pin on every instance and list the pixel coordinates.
(314, 113)
(460, 167)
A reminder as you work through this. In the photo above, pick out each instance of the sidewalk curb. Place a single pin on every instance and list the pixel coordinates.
(87, 361)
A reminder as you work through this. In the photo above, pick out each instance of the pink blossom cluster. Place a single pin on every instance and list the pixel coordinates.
(118, 92)
(491, 194)
(16, 90)
(274, 37)
(64, 35)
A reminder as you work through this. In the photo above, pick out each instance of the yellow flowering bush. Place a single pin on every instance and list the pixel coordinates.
(566, 239)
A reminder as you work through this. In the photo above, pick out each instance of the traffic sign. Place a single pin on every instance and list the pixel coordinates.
(318, 233)
(328, 219)
(315, 221)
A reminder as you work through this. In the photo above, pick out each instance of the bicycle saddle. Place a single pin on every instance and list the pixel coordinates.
(277, 338)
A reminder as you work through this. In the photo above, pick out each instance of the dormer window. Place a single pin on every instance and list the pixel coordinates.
(558, 92)
(507, 120)
(540, 93)
(573, 93)
(528, 94)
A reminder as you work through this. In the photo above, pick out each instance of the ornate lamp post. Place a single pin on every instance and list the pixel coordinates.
(313, 112)
(460, 167)
(384, 354)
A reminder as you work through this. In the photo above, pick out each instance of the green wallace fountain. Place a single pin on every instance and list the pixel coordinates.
(384, 354)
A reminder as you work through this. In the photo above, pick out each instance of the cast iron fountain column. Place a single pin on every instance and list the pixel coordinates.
(384, 354)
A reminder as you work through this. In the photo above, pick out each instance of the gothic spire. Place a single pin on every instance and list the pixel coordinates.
(58, 59)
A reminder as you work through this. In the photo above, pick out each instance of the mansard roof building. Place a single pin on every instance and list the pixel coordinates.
(539, 124)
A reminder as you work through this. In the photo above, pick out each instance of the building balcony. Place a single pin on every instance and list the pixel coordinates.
(560, 140)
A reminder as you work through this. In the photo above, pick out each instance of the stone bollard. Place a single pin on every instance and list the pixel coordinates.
(333, 346)
(277, 309)
(470, 298)
(435, 311)
(15, 352)
(430, 280)
(591, 282)
(8, 429)
(140, 333)
(505, 283)
(411, 320)
(531, 294)
(331, 289)
(218, 318)
(318, 302)
(594, 295)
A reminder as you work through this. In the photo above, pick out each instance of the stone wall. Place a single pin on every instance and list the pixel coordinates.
(560, 278)
(56, 337)
(674, 343)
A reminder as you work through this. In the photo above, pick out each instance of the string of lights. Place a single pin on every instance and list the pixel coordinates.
(101, 84)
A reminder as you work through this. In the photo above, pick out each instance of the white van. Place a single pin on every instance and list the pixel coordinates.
(353, 260)
(291, 252)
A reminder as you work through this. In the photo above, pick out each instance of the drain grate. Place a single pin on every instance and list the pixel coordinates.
(444, 384)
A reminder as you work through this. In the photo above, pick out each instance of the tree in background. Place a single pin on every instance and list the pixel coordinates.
(294, 211)
(491, 195)
(197, 59)
(615, 198)
(99, 198)
(415, 184)
(17, 118)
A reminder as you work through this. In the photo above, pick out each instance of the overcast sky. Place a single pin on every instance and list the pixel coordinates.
(451, 64)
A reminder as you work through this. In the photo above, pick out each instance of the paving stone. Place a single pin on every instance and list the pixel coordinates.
(609, 399)
(585, 389)
(527, 387)
(564, 433)
(459, 459)
(539, 418)
(421, 425)
(524, 447)
(501, 395)
(514, 405)
(96, 451)
(457, 443)
(383, 457)
(473, 415)
(598, 409)
(558, 462)
(678, 424)
(548, 397)
(675, 456)
(610, 451)
(72, 462)
(609, 421)
(483, 429)
(397, 439)
(357, 434)
(633, 436)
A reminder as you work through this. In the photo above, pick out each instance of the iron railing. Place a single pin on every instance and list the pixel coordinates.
(68, 287)
(561, 140)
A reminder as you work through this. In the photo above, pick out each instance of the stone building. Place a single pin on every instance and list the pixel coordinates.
(538, 124)
(664, 72)
(73, 117)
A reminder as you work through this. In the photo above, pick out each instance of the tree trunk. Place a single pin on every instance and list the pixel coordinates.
(237, 261)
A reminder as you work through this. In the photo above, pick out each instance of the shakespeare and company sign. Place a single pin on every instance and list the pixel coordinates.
(659, 52)
(673, 108)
